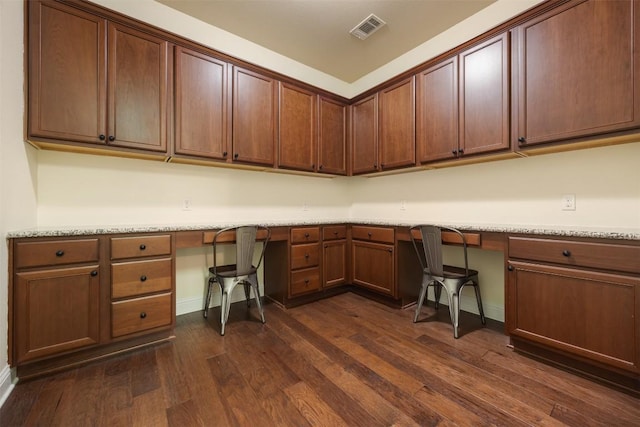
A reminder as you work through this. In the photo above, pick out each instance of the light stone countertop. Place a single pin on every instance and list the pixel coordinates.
(549, 230)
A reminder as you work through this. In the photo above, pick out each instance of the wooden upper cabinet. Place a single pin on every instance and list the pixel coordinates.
(364, 137)
(578, 69)
(484, 97)
(298, 123)
(67, 73)
(332, 136)
(255, 111)
(463, 103)
(396, 125)
(138, 80)
(202, 105)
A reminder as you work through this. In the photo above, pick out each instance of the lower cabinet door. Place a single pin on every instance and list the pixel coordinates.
(139, 314)
(589, 314)
(56, 311)
(334, 263)
(372, 266)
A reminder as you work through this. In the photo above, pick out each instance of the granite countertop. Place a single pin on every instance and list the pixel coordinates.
(566, 231)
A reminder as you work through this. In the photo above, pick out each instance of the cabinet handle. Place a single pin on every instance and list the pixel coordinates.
(390, 250)
(461, 151)
(112, 138)
(143, 315)
(522, 140)
(320, 167)
(143, 278)
(313, 165)
(94, 273)
(60, 253)
(510, 268)
(224, 154)
(306, 282)
(101, 137)
(375, 166)
(566, 253)
(306, 256)
(235, 156)
(306, 235)
(143, 247)
(454, 152)
(369, 234)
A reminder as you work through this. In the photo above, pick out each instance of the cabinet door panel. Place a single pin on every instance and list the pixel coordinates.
(372, 266)
(201, 105)
(297, 142)
(67, 73)
(437, 112)
(364, 151)
(397, 125)
(56, 311)
(332, 138)
(593, 315)
(254, 117)
(335, 263)
(579, 71)
(484, 97)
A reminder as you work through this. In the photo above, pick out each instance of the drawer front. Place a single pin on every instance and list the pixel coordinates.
(304, 256)
(56, 252)
(305, 281)
(373, 234)
(606, 256)
(140, 314)
(334, 232)
(140, 246)
(305, 234)
(141, 277)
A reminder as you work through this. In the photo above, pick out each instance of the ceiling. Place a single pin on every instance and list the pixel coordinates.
(316, 32)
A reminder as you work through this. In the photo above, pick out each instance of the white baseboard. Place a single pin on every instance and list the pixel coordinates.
(6, 384)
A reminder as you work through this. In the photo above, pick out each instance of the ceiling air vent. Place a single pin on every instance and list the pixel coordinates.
(370, 25)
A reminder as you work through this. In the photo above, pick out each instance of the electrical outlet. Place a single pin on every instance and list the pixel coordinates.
(305, 206)
(569, 202)
(403, 205)
(186, 205)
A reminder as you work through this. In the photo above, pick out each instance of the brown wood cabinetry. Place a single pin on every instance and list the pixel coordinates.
(94, 81)
(305, 261)
(297, 128)
(578, 299)
(577, 71)
(364, 135)
(396, 125)
(255, 117)
(462, 105)
(202, 105)
(334, 256)
(332, 136)
(373, 259)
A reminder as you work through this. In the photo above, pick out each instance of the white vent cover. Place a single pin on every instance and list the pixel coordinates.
(370, 25)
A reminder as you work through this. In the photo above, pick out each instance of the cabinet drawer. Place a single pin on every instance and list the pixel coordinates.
(303, 256)
(140, 277)
(373, 234)
(304, 281)
(140, 246)
(334, 232)
(305, 234)
(140, 314)
(606, 256)
(56, 252)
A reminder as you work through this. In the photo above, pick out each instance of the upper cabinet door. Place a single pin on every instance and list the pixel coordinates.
(578, 72)
(332, 138)
(254, 117)
(67, 73)
(138, 73)
(297, 141)
(202, 105)
(396, 124)
(437, 112)
(484, 97)
(364, 138)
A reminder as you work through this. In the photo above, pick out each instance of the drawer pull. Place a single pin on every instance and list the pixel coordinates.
(369, 234)
(94, 273)
(306, 235)
(143, 247)
(60, 253)
(143, 315)
(306, 256)
(143, 278)
(566, 253)
(306, 281)
(335, 233)
(510, 268)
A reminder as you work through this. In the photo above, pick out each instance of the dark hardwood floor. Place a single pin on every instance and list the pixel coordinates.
(343, 361)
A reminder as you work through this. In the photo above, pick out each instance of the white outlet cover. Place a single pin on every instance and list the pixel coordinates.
(569, 202)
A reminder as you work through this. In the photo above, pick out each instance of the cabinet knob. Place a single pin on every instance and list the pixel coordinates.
(320, 167)
(335, 233)
(454, 152)
(306, 256)
(224, 154)
(102, 137)
(566, 253)
(461, 151)
(60, 253)
(112, 138)
(306, 281)
(143, 247)
(94, 273)
(313, 165)
(235, 156)
(522, 140)
(510, 268)
(143, 315)
(143, 278)
(369, 234)
(390, 250)
(306, 235)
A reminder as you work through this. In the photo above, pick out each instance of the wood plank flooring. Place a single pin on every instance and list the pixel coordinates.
(343, 361)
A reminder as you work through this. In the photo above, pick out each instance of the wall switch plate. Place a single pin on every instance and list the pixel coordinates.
(569, 202)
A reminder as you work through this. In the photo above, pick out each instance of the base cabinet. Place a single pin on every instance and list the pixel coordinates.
(373, 259)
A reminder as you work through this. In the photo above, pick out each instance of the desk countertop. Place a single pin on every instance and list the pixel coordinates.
(549, 230)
